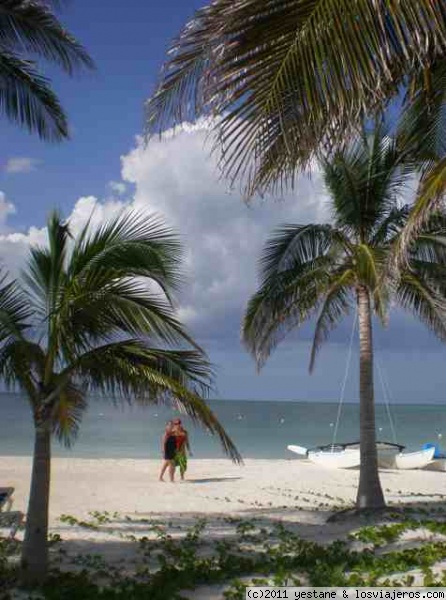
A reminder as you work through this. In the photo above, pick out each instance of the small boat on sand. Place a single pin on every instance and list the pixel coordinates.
(347, 456)
(332, 456)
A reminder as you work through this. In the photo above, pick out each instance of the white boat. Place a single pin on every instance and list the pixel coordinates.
(414, 460)
(394, 456)
(388, 459)
(437, 464)
(334, 456)
(347, 456)
(335, 459)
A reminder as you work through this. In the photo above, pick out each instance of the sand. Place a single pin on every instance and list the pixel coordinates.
(79, 486)
(296, 492)
(290, 489)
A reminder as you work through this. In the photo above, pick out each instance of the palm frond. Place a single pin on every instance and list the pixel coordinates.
(293, 246)
(133, 371)
(131, 310)
(295, 269)
(124, 368)
(390, 226)
(26, 98)
(280, 80)
(22, 363)
(366, 180)
(67, 412)
(15, 310)
(32, 27)
(137, 245)
(430, 196)
(415, 295)
(283, 303)
(420, 128)
(45, 274)
(335, 306)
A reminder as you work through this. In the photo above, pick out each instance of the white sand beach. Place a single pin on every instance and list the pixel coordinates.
(212, 487)
(297, 493)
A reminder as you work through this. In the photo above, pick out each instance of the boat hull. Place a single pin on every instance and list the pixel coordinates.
(406, 460)
(437, 464)
(343, 459)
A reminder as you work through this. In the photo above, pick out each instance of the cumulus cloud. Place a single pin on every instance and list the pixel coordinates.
(21, 164)
(117, 187)
(6, 208)
(223, 237)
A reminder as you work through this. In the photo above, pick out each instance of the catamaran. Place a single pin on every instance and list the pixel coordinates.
(391, 455)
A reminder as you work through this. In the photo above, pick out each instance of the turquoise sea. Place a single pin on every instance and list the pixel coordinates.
(259, 429)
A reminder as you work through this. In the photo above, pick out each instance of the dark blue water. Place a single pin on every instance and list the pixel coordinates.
(259, 429)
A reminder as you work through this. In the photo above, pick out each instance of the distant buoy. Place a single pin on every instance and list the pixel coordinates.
(282, 420)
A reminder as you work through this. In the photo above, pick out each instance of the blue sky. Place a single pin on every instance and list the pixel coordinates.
(177, 179)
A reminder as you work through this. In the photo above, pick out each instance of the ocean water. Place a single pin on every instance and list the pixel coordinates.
(259, 429)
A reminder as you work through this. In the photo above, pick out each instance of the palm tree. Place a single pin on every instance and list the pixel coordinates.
(289, 78)
(29, 29)
(323, 270)
(95, 314)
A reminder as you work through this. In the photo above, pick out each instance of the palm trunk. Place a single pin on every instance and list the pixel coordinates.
(370, 493)
(35, 545)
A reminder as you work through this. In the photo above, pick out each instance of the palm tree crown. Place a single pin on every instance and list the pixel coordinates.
(323, 270)
(96, 314)
(28, 29)
(313, 270)
(289, 77)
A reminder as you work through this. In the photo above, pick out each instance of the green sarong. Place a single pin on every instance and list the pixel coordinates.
(180, 461)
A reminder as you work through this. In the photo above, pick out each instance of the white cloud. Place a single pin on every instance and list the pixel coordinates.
(6, 209)
(222, 237)
(118, 187)
(21, 164)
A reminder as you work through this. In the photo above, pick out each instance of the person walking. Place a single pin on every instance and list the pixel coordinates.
(169, 448)
(182, 447)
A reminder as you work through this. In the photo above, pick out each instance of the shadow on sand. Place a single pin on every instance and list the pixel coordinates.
(212, 479)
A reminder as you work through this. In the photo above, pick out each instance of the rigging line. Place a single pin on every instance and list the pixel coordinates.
(386, 394)
(344, 383)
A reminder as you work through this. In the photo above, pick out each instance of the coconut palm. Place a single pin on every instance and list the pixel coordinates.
(96, 314)
(28, 30)
(323, 271)
(287, 78)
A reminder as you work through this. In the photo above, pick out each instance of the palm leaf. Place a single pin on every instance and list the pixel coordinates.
(25, 97)
(281, 80)
(15, 310)
(415, 295)
(32, 27)
(132, 370)
(335, 307)
(67, 412)
(430, 196)
(139, 245)
(292, 246)
(22, 363)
